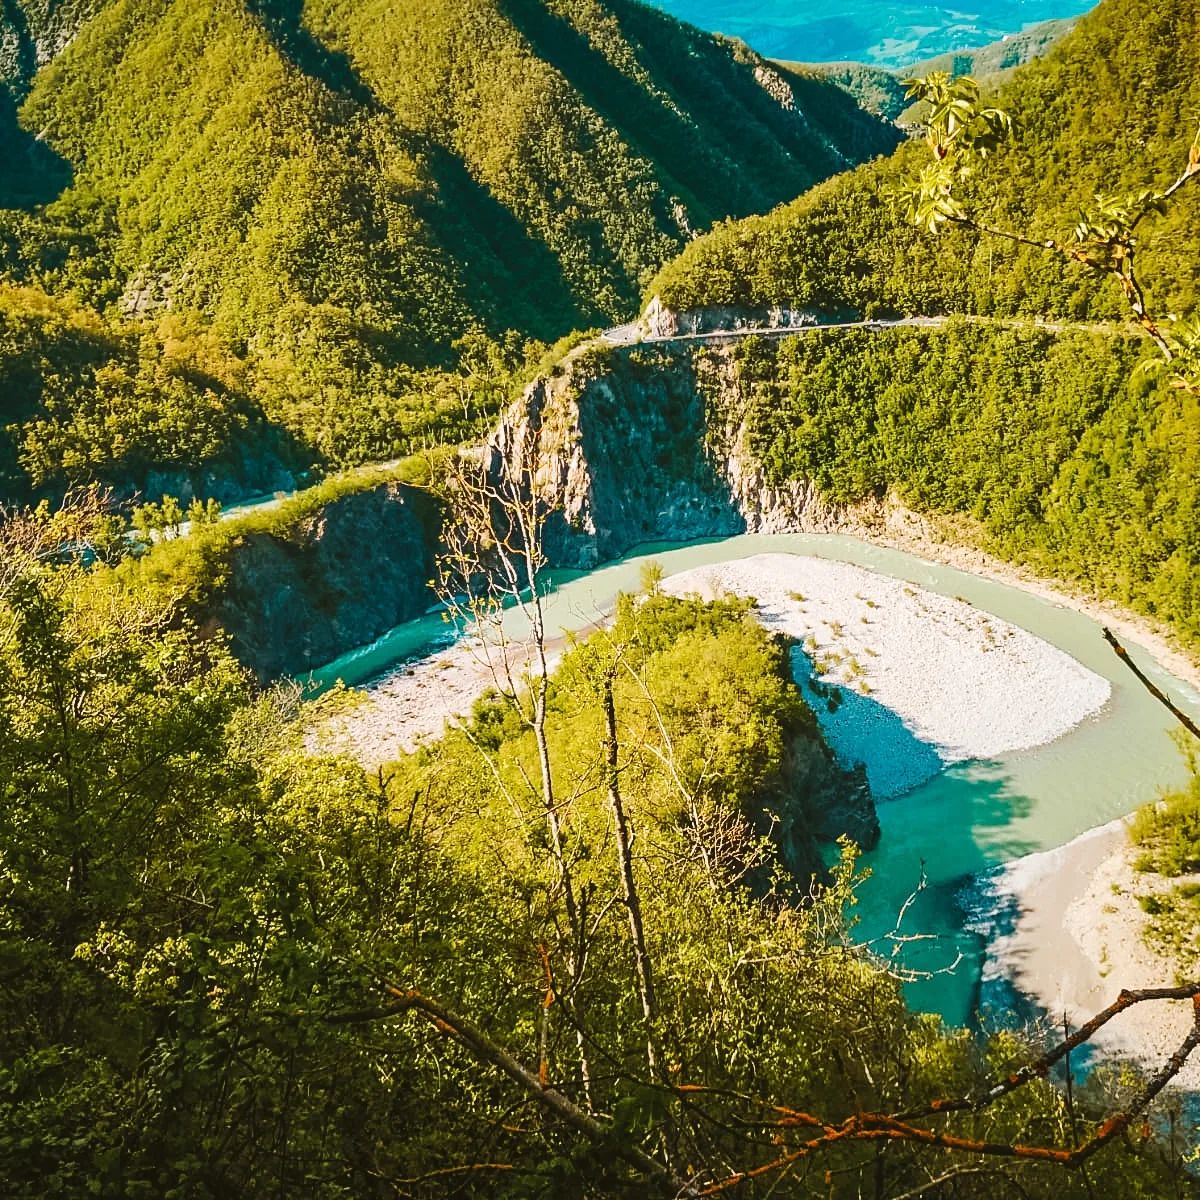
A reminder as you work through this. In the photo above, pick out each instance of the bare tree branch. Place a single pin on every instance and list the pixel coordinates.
(1156, 692)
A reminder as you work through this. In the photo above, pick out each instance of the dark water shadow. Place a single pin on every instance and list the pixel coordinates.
(950, 832)
(283, 21)
(861, 730)
(942, 826)
(1001, 1005)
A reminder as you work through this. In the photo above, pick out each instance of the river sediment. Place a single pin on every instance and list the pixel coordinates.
(1077, 938)
(904, 680)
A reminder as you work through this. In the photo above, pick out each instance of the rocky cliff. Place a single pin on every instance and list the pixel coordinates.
(641, 444)
(823, 802)
(299, 597)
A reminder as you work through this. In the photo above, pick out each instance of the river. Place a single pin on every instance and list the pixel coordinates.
(968, 818)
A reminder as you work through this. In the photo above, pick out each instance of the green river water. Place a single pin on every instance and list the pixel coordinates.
(970, 817)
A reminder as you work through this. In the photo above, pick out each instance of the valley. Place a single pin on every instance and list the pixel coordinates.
(868, 31)
(918, 715)
(556, 580)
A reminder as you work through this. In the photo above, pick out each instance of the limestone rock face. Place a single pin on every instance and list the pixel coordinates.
(642, 445)
(658, 321)
(338, 580)
(618, 462)
(849, 810)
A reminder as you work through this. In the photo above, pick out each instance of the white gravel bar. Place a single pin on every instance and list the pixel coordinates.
(921, 680)
(414, 704)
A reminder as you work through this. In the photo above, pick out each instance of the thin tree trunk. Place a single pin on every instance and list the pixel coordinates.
(558, 849)
(637, 934)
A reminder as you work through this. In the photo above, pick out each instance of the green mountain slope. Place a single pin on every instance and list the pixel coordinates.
(1054, 451)
(881, 91)
(1110, 108)
(1012, 51)
(342, 191)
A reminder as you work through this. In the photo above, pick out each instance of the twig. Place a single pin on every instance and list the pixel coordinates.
(484, 1048)
(1157, 693)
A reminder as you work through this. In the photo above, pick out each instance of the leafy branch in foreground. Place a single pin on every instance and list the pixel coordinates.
(818, 1133)
(961, 132)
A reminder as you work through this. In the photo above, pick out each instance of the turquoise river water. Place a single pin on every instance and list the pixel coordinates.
(966, 820)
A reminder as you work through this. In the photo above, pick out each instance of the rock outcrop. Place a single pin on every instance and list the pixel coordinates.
(627, 446)
(659, 321)
(340, 579)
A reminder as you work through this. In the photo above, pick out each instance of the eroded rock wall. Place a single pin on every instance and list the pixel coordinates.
(297, 599)
(640, 445)
(636, 445)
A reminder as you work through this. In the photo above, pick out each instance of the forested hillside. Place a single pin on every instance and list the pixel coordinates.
(1059, 451)
(337, 195)
(218, 950)
(882, 91)
(592, 939)
(1112, 108)
(1070, 456)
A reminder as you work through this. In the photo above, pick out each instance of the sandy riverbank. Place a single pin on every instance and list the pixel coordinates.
(1077, 941)
(910, 681)
(950, 543)
(414, 703)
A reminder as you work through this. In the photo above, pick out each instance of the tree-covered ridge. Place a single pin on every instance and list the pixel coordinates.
(1061, 454)
(84, 399)
(1107, 110)
(202, 121)
(881, 91)
(1012, 51)
(165, 405)
(341, 193)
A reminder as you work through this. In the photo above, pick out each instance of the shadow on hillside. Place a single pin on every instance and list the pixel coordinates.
(33, 174)
(734, 149)
(646, 123)
(858, 132)
(514, 279)
(284, 22)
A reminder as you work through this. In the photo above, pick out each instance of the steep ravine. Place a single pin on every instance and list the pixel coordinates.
(624, 446)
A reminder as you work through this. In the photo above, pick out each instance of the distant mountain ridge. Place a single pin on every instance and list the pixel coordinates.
(881, 91)
(885, 33)
(608, 133)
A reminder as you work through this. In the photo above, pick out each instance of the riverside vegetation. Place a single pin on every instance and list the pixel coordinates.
(212, 941)
(589, 951)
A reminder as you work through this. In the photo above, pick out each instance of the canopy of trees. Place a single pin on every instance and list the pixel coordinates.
(1065, 456)
(1110, 109)
(212, 944)
(338, 195)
